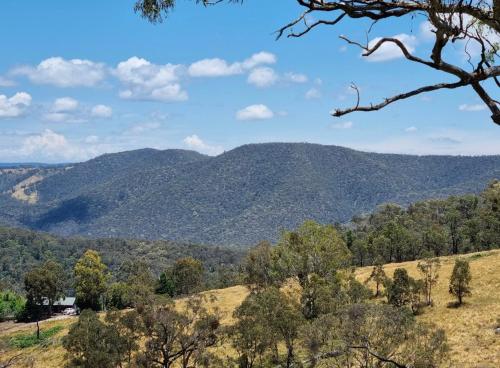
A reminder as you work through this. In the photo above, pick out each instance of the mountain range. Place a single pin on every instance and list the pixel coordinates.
(240, 197)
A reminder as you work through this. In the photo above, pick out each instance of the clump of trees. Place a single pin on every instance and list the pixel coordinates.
(11, 305)
(304, 298)
(305, 308)
(427, 229)
(171, 336)
(184, 277)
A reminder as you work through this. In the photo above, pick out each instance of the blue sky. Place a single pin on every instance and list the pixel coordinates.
(78, 79)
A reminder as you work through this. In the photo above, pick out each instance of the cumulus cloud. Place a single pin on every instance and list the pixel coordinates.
(313, 93)
(147, 81)
(101, 111)
(14, 106)
(411, 129)
(5, 82)
(259, 58)
(472, 107)
(214, 68)
(389, 50)
(343, 125)
(217, 67)
(196, 143)
(142, 128)
(255, 112)
(262, 77)
(64, 110)
(64, 73)
(49, 145)
(65, 104)
(296, 77)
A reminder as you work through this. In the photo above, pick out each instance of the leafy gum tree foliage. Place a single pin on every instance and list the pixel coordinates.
(378, 276)
(258, 266)
(373, 335)
(184, 277)
(311, 255)
(265, 320)
(429, 268)
(460, 280)
(404, 290)
(134, 287)
(179, 337)
(44, 285)
(11, 305)
(91, 343)
(90, 281)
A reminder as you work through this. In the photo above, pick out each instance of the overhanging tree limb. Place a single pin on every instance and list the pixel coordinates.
(470, 22)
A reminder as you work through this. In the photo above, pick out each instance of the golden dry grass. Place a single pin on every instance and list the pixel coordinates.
(470, 328)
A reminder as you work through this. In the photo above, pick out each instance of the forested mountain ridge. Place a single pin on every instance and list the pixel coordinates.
(242, 196)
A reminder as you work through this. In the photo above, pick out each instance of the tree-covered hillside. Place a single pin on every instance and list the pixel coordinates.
(240, 197)
(21, 250)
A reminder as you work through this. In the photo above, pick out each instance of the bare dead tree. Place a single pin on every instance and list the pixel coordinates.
(474, 24)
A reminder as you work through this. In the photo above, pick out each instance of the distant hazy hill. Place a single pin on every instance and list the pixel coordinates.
(240, 197)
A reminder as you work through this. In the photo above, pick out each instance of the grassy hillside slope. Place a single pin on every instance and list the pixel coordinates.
(470, 328)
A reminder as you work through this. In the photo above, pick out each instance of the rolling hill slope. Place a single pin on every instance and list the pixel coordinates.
(240, 197)
(470, 329)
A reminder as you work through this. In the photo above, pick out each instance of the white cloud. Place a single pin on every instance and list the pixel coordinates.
(64, 73)
(473, 107)
(214, 68)
(217, 67)
(262, 77)
(313, 93)
(296, 77)
(426, 30)
(141, 128)
(259, 58)
(101, 111)
(49, 145)
(411, 129)
(196, 143)
(65, 104)
(343, 125)
(255, 112)
(389, 50)
(4, 82)
(147, 81)
(11, 107)
(57, 117)
(64, 110)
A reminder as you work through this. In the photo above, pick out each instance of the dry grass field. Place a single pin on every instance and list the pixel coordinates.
(470, 328)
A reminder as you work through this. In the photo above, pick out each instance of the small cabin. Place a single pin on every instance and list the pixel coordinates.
(62, 304)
